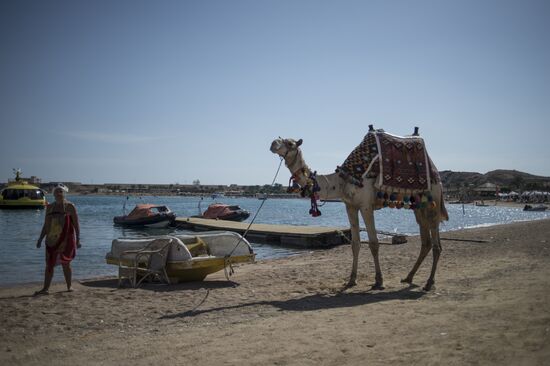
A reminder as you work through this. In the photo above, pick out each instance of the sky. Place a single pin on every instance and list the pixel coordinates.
(173, 91)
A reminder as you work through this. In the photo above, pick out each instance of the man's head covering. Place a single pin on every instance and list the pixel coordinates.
(60, 186)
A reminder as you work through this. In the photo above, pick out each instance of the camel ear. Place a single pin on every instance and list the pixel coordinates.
(299, 142)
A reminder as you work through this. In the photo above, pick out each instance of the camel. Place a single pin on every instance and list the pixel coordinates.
(364, 199)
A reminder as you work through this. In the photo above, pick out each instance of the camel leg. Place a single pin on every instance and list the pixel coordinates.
(353, 216)
(368, 217)
(434, 233)
(424, 250)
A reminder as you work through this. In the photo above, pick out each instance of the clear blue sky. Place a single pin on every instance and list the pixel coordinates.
(172, 91)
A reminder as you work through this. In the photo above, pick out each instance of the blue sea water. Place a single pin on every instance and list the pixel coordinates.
(22, 262)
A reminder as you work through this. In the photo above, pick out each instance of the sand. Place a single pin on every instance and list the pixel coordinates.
(491, 306)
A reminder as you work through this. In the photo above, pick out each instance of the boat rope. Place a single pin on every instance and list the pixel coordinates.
(348, 240)
(466, 240)
(227, 261)
(201, 302)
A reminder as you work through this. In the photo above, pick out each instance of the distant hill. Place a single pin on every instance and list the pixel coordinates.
(506, 179)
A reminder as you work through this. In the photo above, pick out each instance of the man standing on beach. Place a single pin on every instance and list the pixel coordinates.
(62, 232)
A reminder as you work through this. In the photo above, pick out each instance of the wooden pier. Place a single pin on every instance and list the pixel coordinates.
(286, 235)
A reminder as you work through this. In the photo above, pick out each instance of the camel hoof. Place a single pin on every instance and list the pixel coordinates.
(429, 286)
(351, 284)
(377, 286)
(407, 280)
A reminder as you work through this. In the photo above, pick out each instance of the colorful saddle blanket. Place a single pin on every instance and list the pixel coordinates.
(399, 164)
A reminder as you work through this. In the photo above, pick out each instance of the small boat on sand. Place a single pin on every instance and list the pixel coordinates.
(535, 208)
(190, 257)
(220, 211)
(147, 215)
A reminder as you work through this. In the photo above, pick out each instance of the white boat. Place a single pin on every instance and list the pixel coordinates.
(190, 257)
(147, 215)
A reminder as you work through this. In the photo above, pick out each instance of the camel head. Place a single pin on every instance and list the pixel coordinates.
(285, 148)
(289, 150)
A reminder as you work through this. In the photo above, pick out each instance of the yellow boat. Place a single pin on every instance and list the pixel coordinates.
(20, 194)
(190, 257)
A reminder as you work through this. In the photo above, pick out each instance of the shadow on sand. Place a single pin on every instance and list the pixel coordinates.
(112, 283)
(316, 302)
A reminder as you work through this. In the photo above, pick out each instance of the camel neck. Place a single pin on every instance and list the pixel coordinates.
(330, 184)
(298, 168)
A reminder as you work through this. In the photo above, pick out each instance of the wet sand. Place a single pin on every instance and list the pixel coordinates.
(491, 306)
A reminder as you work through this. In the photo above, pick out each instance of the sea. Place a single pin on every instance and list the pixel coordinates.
(21, 262)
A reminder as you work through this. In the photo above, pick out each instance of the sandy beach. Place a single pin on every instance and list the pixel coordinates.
(491, 306)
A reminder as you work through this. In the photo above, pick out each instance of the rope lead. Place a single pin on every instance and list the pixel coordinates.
(227, 261)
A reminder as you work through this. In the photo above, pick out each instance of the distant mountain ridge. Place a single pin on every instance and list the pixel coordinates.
(511, 179)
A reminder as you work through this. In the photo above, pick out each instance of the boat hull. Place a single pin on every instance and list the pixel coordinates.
(236, 216)
(241, 216)
(156, 221)
(535, 209)
(22, 204)
(196, 270)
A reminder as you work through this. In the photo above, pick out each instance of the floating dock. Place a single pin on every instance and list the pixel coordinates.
(285, 235)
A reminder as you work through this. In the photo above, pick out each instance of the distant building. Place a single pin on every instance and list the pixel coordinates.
(486, 190)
